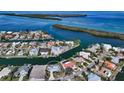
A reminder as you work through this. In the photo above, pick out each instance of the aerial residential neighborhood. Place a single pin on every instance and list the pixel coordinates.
(73, 46)
(24, 35)
(35, 49)
(65, 46)
(98, 62)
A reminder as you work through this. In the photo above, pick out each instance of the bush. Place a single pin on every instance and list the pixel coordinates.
(25, 78)
(68, 71)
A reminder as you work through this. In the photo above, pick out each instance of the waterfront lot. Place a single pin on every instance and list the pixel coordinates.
(24, 35)
(95, 63)
(35, 49)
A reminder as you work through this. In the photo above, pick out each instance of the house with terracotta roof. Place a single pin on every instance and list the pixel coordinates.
(69, 64)
(110, 65)
(50, 43)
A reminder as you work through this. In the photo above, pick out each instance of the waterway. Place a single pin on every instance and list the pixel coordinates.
(107, 21)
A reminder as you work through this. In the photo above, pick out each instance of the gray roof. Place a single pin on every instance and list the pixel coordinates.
(38, 72)
(44, 49)
(54, 68)
(93, 77)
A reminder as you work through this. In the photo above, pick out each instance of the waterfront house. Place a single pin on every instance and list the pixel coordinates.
(85, 55)
(44, 51)
(22, 71)
(33, 44)
(22, 36)
(46, 36)
(56, 50)
(20, 53)
(79, 59)
(10, 52)
(117, 49)
(15, 35)
(33, 52)
(30, 36)
(50, 43)
(93, 48)
(37, 35)
(69, 64)
(54, 71)
(54, 68)
(5, 72)
(38, 72)
(42, 45)
(8, 36)
(71, 43)
(107, 47)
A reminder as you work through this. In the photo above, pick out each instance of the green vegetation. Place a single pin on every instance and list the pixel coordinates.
(68, 71)
(93, 32)
(6, 78)
(79, 64)
(25, 78)
(1, 67)
(15, 78)
(85, 64)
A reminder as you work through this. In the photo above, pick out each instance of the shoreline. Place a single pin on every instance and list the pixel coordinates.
(38, 60)
(34, 16)
(97, 33)
(31, 57)
(47, 16)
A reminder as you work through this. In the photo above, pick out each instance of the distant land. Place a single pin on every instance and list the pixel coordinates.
(47, 16)
(93, 32)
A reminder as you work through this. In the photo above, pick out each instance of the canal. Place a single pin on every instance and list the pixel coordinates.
(40, 61)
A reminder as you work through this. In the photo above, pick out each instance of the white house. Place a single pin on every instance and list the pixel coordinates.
(69, 42)
(56, 50)
(33, 52)
(20, 53)
(94, 48)
(115, 60)
(116, 49)
(107, 47)
(84, 54)
(4, 72)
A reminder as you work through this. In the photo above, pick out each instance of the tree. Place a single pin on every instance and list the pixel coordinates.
(68, 71)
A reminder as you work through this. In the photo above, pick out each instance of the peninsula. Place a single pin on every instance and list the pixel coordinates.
(93, 32)
(48, 16)
(34, 16)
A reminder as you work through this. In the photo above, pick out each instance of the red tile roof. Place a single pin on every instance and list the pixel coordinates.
(110, 65)
(69, 64)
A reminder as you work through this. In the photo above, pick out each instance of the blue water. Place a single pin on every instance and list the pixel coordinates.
(107, 21)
